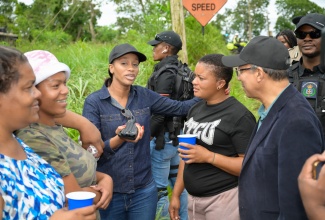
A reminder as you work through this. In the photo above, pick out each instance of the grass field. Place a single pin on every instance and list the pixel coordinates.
(89, 64)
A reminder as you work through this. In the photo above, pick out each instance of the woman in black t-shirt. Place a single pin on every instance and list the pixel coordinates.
(223, 127)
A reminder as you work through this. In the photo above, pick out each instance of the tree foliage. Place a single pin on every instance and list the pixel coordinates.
(77, 18)
(288, 9)
(248, 18)
(6, 13)
(145, 16)
(254, 14)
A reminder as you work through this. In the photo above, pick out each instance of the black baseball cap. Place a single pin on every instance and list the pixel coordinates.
(262, 51)
(295, 20)
(313, 19)
(169, 37)
(123, 49)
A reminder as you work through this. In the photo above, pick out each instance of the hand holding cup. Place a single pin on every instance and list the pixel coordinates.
(80, 199)
(186, 138)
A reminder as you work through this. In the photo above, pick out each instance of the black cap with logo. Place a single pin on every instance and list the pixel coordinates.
(169, 37)
(313, 19)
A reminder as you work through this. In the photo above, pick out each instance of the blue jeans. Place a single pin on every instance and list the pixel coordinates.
(141, 204)
(164, 166)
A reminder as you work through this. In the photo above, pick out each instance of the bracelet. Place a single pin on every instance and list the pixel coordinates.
(214, 155)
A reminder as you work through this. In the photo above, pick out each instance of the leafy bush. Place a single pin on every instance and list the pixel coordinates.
(51, 37)
(105, 34)
(4, 43)
(198, 44)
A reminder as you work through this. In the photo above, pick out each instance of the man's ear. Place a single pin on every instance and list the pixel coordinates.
(166, 48)
(260, 74)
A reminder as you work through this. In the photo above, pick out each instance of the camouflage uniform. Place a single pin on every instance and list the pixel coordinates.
(64, 154)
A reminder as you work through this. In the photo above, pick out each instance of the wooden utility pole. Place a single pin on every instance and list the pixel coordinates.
(250, 23)
(179, 25)
(91, 26)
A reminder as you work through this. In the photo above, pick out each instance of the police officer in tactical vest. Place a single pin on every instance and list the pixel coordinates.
(307, 75)
(164, 129)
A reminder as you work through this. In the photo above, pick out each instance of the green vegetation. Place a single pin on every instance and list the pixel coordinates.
(54, 28)
(89, 62)
(78, 19)
(69, 29)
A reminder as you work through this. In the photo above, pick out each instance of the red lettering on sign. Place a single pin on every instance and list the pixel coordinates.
(203, 10)
(203, 7)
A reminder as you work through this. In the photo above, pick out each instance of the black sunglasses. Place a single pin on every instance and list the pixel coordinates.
(312, 34)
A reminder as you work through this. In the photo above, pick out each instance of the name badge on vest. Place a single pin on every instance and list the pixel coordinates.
(309, 89)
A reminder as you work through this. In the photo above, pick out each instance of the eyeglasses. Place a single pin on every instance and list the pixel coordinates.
(312, 34)
(240, 71)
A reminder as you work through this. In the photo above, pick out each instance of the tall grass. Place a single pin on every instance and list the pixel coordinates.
(89, 65)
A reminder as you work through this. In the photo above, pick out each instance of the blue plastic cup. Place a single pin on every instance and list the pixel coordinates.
(186, 138)
(80, 199)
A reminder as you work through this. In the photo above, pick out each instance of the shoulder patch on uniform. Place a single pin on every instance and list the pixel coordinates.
(309, 89)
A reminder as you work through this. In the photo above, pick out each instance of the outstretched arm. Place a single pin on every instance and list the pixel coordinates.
(89, 134)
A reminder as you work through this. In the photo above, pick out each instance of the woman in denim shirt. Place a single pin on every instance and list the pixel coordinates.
(128, 161)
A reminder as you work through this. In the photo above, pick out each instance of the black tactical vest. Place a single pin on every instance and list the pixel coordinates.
(311, 86)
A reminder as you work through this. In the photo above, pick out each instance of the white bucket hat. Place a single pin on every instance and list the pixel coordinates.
(45, 64)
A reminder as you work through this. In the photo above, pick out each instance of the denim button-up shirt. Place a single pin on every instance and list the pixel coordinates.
(129, 165)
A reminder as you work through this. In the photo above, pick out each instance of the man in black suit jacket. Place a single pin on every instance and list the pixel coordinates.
(287, 133)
